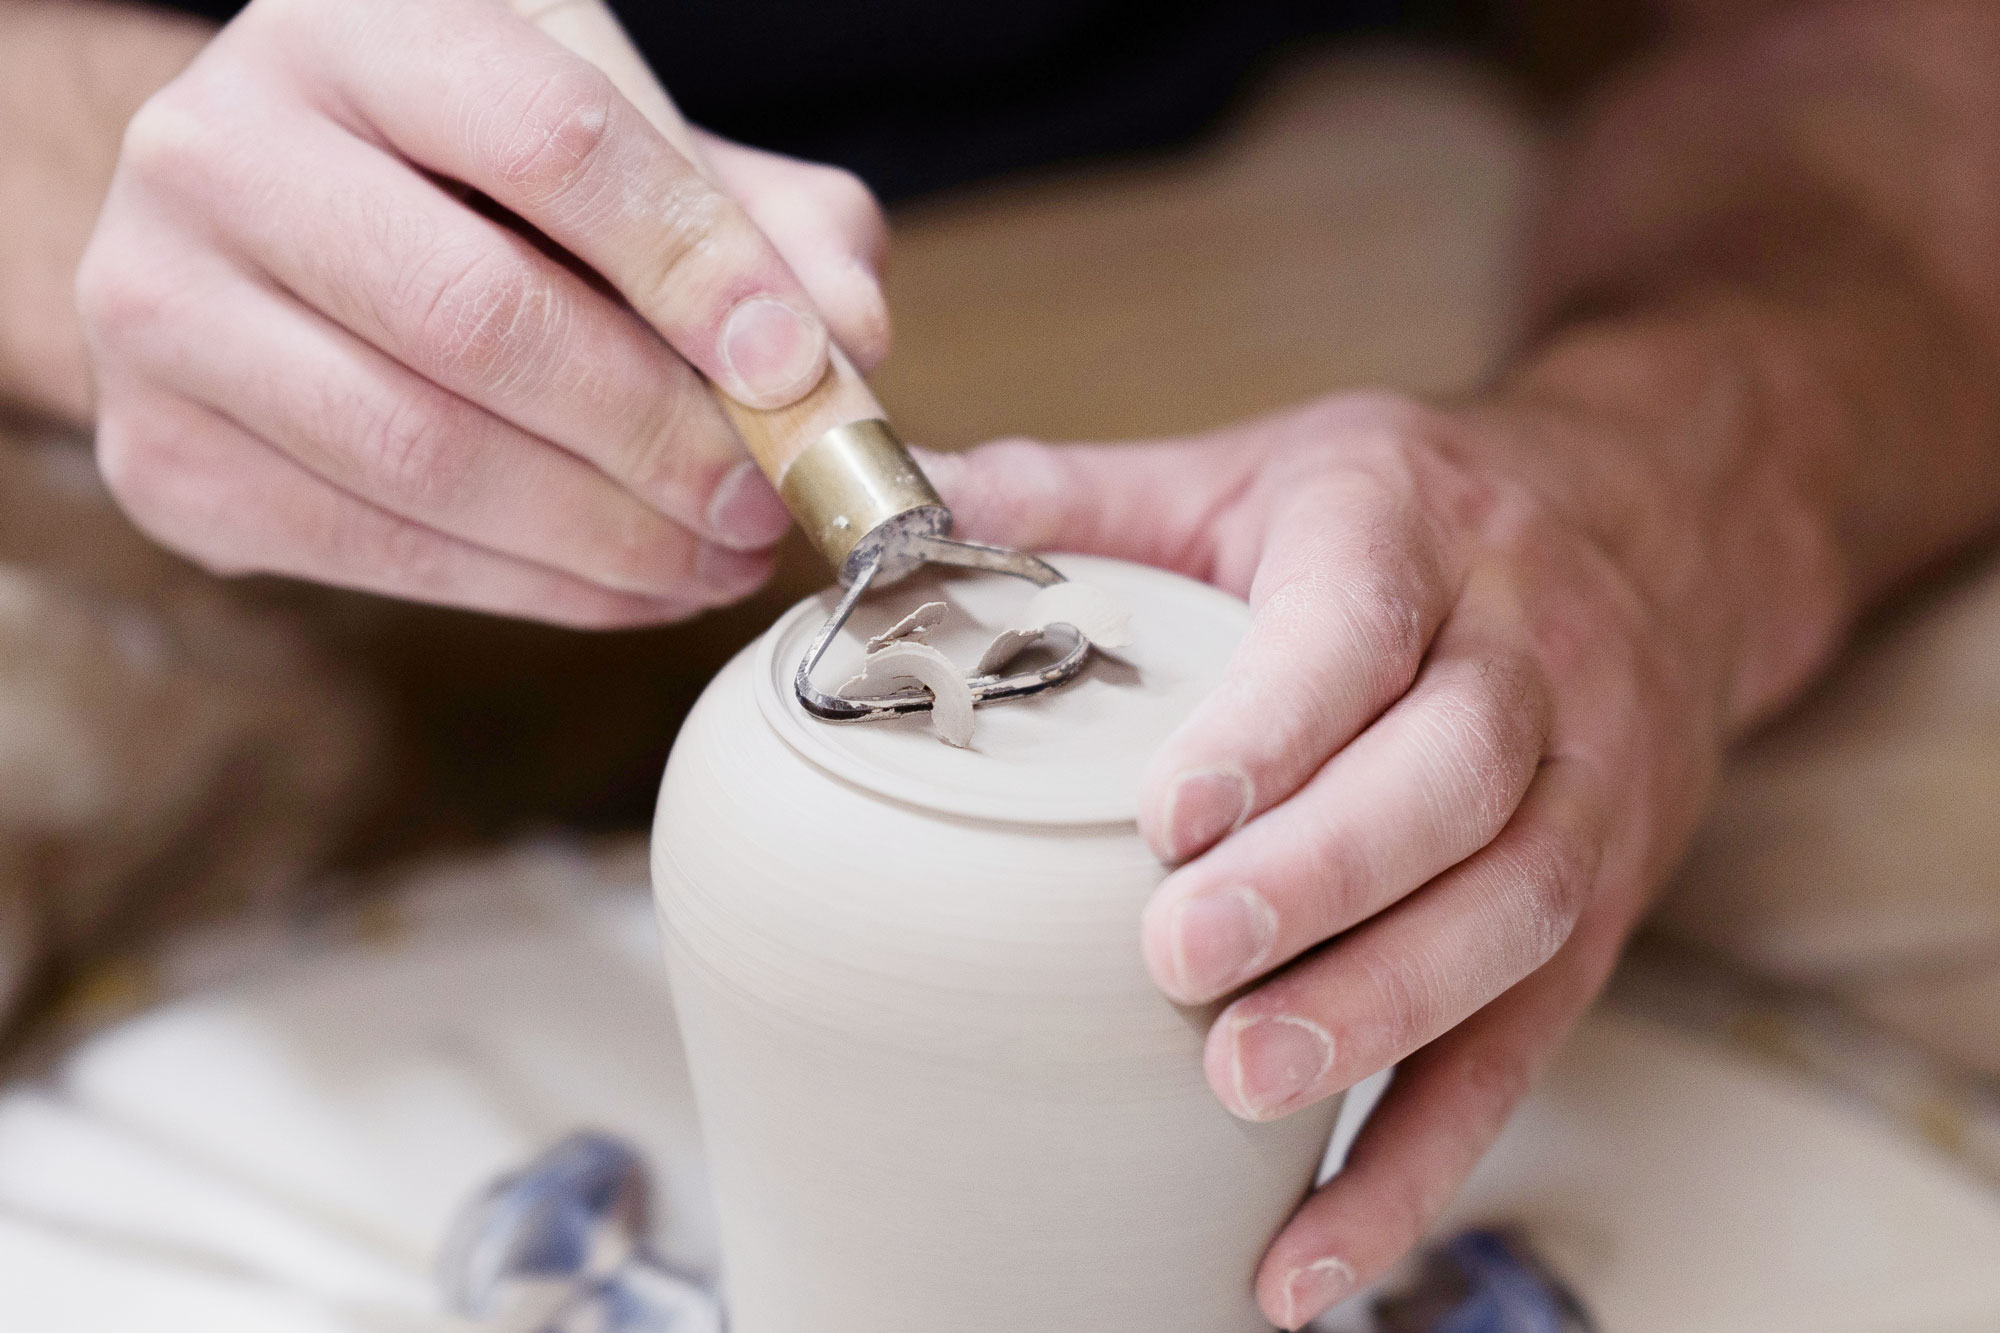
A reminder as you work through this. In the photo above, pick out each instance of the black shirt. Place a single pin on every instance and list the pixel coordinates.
(918, 94)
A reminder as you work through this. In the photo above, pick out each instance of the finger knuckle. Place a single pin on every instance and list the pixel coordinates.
(491, 319)
(644, 551)
(1493, 732)
(121, 302)
(1374, 568)
(1476, 771)
(1345, 882)
(1493, 1082)
(699, 231)
(663, 455)
(1552, 869)
(156, 479)
(559, 127)
(1410, 996)
(411, 447)
(1386, 611)
(1381, 436)
(170, 141)
(1514, 694)
(359, 541)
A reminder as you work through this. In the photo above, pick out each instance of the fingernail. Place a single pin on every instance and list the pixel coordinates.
(1220, 940)
(1311, 1290)
(1202, 808)
(1278, 1060)
(745, 511)
(775, 353)
(729, 574)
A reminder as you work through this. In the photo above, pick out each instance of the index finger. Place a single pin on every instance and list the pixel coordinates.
(466, 89)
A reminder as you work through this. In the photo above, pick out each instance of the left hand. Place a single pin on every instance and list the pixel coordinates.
(1447, 767)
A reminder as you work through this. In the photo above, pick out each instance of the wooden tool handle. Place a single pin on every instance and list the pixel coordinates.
(775, 438)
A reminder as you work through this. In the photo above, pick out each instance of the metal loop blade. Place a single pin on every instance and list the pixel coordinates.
(985, 689)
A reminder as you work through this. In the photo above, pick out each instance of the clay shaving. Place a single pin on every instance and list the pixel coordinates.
(916, 625)
(900, 662)
(903, 663)
(1010, 645)
(1095, 613)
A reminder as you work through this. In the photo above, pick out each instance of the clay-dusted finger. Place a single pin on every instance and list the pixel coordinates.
(369, 426)
(1430, 783)
(202, 486)
(550, 138)
(1387, 988)
(1445, 1106)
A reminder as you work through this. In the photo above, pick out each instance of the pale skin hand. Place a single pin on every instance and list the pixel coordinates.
(315, 356)
(1447, 757)
(1497, 650)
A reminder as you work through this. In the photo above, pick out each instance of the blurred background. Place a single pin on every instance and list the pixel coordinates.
(270, 849)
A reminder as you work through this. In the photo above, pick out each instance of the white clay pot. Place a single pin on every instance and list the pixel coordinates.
(938, 1088)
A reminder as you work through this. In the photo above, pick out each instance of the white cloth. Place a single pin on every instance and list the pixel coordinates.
(281, 1148)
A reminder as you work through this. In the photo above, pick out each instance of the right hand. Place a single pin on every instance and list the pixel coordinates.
(315, 357)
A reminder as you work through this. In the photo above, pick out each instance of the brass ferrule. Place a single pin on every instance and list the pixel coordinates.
(853, 482)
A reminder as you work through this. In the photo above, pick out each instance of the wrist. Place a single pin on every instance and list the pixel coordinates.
(1676, 442)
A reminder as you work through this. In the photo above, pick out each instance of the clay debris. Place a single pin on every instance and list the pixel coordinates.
(916, 625)
(899, 662)
(900, 667)
(1009, 645)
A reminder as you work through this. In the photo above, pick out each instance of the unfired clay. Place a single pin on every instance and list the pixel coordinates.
(899, 662)
(899, 658)
(939, 1089)
(1007, 645)
(916, 625)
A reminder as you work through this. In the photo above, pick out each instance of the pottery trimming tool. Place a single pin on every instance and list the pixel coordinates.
(847, 479)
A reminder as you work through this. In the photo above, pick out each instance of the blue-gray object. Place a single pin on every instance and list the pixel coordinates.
(1483, 1281)
(560, 1247)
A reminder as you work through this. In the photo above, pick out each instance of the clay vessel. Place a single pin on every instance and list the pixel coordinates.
(938, 1088)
